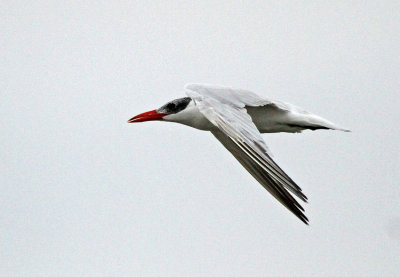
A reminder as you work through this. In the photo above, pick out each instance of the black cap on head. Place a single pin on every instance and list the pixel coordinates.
(175, 106)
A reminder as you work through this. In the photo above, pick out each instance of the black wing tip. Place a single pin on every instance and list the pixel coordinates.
(302, 217)
(301, 196)
(292, 205)
(297, 210)
(306, 221)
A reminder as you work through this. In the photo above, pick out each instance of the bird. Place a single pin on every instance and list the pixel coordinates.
(237, 117)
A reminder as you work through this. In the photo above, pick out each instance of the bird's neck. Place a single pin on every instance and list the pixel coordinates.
(191, 116)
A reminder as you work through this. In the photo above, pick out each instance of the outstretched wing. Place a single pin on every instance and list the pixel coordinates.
(235, 97)
(225, 108)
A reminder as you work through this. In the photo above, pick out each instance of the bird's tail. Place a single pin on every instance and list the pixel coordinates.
(316, 122)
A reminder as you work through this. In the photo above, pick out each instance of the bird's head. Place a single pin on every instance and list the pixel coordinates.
(170, 108)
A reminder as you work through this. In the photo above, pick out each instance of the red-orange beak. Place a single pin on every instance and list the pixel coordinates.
(147, 116)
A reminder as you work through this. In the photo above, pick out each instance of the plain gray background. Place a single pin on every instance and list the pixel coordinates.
(83, 193)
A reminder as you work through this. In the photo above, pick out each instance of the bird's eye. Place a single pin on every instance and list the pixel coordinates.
(171, 106)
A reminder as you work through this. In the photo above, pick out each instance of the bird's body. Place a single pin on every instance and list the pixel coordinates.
(236, 118)
(268, 119)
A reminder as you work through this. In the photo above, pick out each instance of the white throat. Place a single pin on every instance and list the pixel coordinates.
(191, 116)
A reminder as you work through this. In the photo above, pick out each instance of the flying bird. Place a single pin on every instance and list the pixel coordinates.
(237, 118)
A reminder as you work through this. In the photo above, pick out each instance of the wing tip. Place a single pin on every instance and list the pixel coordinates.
(302, 217)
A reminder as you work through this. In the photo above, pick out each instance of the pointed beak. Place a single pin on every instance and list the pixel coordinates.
(147, 116)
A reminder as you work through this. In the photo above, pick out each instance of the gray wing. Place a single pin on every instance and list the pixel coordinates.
(237, 97)
(237, 132)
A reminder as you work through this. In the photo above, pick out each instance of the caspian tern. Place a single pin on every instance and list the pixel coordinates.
(236, 118)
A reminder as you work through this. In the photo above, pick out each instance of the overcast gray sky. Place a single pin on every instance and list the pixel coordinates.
(83, 193)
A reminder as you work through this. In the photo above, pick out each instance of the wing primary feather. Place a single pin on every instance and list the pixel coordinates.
(291, 186)
(279, 185)
(224, 125)
(268, 167)
(259, 173)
